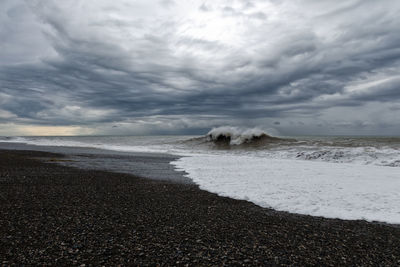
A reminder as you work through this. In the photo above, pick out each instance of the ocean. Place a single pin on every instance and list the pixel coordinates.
(344, 177)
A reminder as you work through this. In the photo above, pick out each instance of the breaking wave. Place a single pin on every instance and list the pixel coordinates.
(228, 135)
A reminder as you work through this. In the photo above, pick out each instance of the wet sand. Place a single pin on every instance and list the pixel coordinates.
(59, 215)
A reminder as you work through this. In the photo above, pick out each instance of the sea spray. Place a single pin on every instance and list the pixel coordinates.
(229, 135)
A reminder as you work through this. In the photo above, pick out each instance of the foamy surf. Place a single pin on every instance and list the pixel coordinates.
(346, 191)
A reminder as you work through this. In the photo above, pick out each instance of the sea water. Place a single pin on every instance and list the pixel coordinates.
(335, 177)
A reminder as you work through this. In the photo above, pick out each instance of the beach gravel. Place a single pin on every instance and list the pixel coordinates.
(57, 215)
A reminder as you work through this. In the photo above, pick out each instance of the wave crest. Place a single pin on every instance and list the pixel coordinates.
(228, 135)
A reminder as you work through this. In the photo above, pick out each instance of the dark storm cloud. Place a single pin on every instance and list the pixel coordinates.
(90, 64)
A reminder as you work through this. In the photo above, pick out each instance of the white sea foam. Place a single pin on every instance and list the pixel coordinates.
(347, 191)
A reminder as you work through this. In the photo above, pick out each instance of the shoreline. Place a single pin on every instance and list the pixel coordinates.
(64, 215)
(155, 166)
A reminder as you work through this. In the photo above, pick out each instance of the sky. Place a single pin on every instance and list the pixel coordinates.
(140, 67)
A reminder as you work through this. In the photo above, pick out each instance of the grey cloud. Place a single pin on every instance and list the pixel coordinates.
(167, 3)
(91, 71)
(204, 8)
(259, 15)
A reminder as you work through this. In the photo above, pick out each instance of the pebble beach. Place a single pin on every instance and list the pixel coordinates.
(58, 215)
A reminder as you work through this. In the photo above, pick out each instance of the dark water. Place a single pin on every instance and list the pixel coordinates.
(146, 165)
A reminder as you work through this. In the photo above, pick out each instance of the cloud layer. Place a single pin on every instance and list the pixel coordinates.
(140, 67)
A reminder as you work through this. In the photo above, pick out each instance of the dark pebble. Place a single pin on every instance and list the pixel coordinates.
(56, 215)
